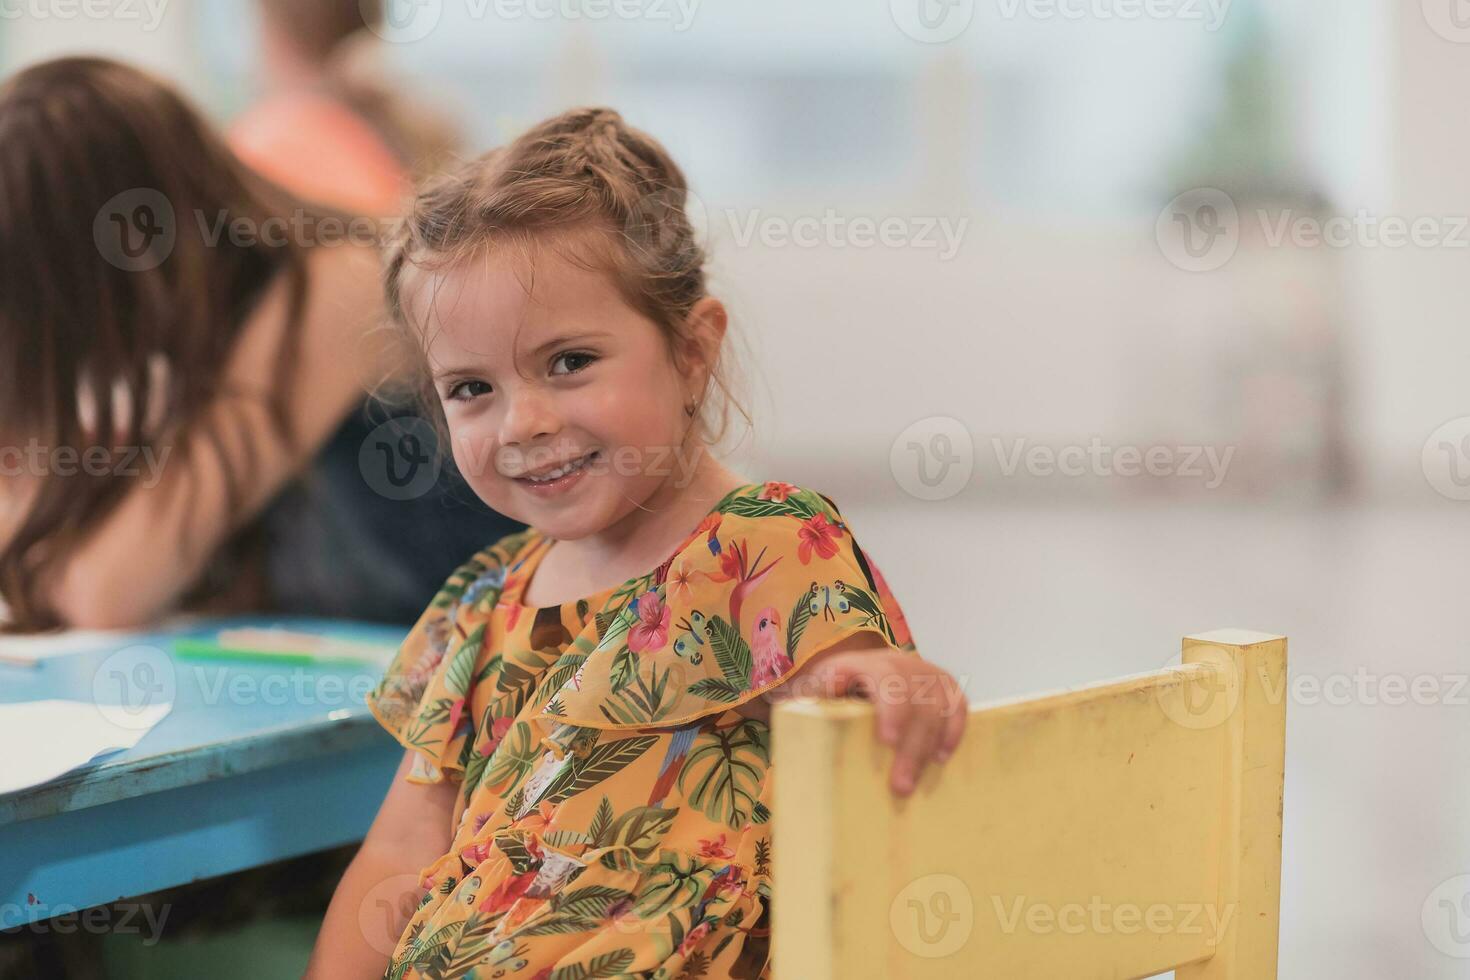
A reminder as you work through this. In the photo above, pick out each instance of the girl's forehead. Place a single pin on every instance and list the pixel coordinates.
(509, 299)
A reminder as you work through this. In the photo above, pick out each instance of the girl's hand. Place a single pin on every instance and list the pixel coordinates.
(921, 708)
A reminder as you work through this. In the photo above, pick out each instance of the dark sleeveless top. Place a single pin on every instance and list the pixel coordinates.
(375, 526)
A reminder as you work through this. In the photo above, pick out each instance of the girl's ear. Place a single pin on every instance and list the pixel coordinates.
(705, 332)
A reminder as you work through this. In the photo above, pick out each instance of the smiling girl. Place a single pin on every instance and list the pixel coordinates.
(586, 786)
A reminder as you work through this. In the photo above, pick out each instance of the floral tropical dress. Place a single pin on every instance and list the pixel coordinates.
(615, 813)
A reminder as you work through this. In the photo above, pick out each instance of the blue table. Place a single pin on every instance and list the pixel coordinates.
(256, 763)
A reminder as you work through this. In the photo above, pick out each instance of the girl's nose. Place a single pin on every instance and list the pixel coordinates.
(530, 416)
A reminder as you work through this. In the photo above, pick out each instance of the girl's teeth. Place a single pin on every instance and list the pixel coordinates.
(559, 472)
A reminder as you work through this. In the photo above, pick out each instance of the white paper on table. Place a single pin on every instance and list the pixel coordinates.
(29, 650)
(24, 650)
(40, 740)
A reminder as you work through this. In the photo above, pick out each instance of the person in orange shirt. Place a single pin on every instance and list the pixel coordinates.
(330, 128)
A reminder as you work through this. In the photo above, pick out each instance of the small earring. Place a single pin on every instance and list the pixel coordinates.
(690, 409)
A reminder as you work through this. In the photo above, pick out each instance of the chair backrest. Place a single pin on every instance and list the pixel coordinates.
(1111, 831)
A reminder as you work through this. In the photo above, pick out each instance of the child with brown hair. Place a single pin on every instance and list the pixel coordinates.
(586, 786)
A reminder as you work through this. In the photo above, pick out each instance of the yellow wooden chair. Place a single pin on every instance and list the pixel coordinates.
(1113, 831)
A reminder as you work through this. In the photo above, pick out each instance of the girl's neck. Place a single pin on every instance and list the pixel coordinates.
(647, 536)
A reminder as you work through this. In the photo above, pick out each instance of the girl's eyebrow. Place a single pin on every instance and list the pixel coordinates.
(570, 338)
(444, 371)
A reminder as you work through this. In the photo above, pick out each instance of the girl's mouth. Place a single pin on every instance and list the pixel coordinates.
(560, 478)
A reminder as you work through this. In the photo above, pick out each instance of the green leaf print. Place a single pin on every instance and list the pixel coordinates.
(641, 702)
(796, 622)
(624, 668)
(600, 763)
(512, 760)
(591, 902)
(642, 829)
(458, 582)
(872, 610)
(722, 776)
(560, 673)
(798, 505)
(606, 965)
(674, 883)
(716, 690)
(602, 821)
(457, 676)
(731, 652)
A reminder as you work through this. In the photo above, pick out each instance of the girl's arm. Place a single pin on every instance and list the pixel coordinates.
(380, 889)
(159, 539)
(921, 709)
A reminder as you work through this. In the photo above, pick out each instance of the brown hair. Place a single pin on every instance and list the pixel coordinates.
(583, 169)
(79, 320)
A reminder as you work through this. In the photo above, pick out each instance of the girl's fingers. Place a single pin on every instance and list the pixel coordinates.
(915, 747)
(893, 719)
(954, 728)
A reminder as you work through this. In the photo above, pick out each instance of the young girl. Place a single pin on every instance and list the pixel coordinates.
(586, 787)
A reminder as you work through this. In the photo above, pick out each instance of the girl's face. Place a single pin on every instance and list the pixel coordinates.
(541, 363)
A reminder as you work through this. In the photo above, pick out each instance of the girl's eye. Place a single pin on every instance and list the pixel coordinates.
(463, 391)
(577, 361)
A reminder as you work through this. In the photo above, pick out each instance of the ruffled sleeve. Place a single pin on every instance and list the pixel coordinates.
(767, 581)
(423, 697)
